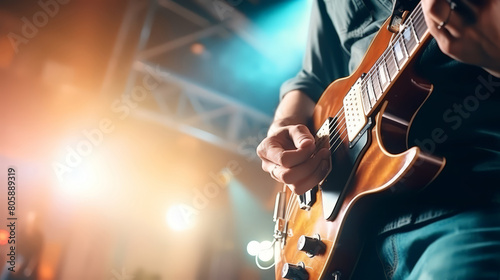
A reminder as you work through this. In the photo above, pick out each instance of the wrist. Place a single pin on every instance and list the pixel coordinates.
(295, 108)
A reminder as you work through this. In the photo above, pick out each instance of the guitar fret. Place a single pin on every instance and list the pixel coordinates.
(385, 79)
(366, 92)
(371, 92)
(366, 102)
(405, 47)
(376, 85)
(392, 68)
(412, 27)
(387, 67)
(394, 62)
(400, 55)
(409, 39)
(421, 27)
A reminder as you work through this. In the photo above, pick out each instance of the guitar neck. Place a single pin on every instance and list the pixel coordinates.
(404, 46)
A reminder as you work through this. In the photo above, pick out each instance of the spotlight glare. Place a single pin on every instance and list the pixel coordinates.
(266, 252)
(180, 217)
(253, 248)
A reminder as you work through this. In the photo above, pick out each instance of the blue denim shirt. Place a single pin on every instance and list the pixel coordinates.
(463, 107)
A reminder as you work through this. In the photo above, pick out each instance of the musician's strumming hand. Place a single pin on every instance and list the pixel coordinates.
(289, 152)
(468, 31)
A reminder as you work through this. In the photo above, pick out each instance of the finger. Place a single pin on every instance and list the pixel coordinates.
(304, 143)
(270, 167)
(291, 158)
(433, 19)
(292, 174)
(301, 136)
(442, 19)
(314, 179)
(272, 149)
(469, 10)
(304, 172)
(299, 172)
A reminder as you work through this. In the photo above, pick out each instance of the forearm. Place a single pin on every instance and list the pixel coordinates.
(295, 108)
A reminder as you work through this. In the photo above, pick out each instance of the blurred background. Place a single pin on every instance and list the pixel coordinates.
(130, 127)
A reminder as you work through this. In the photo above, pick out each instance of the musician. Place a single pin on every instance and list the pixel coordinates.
(451, 230)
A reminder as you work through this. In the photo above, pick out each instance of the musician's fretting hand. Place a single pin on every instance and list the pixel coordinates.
(468, 31)
(289, 151)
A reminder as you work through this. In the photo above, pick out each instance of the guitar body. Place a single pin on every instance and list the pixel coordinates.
(378, 168)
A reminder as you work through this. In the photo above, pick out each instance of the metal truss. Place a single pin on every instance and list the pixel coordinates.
(189, 107)
(202, 113)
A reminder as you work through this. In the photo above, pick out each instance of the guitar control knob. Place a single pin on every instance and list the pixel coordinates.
(294, 272)
(311, 245)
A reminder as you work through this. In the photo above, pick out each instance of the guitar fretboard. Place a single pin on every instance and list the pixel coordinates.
(385, 70)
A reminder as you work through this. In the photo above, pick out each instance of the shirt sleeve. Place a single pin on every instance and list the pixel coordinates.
(324, 60)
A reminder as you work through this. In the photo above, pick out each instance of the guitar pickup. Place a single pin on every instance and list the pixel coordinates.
(356, 107)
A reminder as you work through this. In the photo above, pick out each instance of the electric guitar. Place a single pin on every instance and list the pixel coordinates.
(320, 234)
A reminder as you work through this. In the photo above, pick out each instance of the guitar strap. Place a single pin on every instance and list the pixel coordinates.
(398, 8)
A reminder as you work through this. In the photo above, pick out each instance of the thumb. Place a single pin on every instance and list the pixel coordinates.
(301, 136)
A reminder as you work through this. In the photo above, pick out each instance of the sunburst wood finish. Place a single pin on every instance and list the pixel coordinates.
(385, 168)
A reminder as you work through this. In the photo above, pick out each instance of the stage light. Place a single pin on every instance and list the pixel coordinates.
(181, 217)
(197, 48)
(82, 166)
(253, 248)
(266, 252)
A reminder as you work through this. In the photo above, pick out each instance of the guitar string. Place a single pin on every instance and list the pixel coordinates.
(339, 133)
(339, 123)
(389, 61)
(336, 140)
(415, 16)
(373, 74)
(289, 205)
